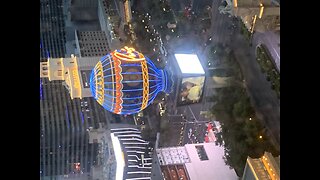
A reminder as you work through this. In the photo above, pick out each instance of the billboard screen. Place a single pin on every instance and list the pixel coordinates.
(191, 90)
(189, 63)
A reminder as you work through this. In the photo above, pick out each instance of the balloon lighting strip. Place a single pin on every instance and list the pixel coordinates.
(113, 80)
(134, 73)
(119, 85)
(99, 84)
(145, 77)
(138, 97)
(129, 55)
(131, 90)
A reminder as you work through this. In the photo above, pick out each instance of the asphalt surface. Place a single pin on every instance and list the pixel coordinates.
(263, 98)
(271, 41)
(192, 43)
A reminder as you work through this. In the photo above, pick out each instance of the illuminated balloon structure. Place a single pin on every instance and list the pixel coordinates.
(126, 82)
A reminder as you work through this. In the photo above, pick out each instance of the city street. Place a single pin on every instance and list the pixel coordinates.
(263, 98)
(225, 30)
(272, 42)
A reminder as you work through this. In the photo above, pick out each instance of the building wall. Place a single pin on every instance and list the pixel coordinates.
(264, 168)
(93, 43)
(109, 19)
(63, 122)
(85, 3)
(84, 10)
(85, 176)
(215, 167)
(248, 174)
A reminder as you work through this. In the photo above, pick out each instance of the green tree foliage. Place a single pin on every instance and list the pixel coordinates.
(242, 108)
(267, 66)
(241, 130)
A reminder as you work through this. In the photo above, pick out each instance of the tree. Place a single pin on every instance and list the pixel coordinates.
(214, 98)
(240, 138)
(242, 108)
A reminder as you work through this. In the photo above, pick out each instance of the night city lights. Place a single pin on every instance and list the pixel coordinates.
(159, 89)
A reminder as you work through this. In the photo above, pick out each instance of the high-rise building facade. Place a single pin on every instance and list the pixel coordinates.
(65, 151)
(91, 43)
(265, 168)
(110, 21)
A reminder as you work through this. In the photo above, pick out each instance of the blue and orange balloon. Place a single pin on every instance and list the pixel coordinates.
(126, 82)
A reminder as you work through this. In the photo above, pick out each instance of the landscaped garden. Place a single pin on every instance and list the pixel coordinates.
(268, 67)
(243, 134)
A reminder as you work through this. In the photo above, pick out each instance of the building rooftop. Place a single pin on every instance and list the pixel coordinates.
(195, 162)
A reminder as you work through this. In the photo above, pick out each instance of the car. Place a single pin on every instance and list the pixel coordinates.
(208, 42)
(163, 50)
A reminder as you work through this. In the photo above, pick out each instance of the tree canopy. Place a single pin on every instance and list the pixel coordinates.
(242, 132)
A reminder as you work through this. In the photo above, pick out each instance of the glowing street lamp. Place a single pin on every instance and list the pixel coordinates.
(261, 10)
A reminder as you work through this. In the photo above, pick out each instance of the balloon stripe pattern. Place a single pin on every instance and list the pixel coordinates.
(126, 82)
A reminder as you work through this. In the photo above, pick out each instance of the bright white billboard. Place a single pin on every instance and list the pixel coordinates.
(189, 63)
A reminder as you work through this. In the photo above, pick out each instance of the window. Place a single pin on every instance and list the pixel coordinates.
(44, 68)
(202, 153)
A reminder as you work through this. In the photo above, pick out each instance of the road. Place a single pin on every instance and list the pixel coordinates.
(192, 43)
(263, 98)
(194, 133)
(272, 43)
